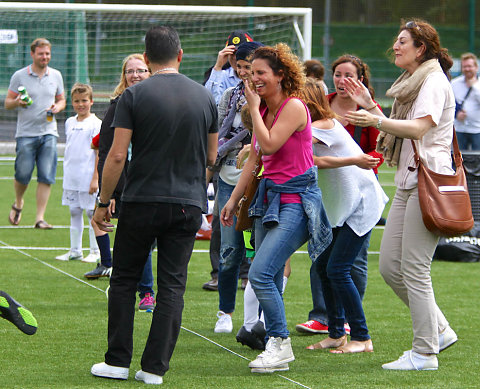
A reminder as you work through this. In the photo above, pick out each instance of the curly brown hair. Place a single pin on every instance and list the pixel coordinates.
(283, 62)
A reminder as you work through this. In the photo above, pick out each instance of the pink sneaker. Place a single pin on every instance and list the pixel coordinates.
(147, 304)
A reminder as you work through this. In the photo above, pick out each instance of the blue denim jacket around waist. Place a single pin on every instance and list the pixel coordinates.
(306, 185)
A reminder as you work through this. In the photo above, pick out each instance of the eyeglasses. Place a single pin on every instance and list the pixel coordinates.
(137, 71)
(412, 24)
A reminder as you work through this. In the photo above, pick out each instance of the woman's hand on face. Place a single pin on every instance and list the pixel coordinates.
(367, 162)
(361, 118)
(253, 99)
(358, 93)
(227, 213)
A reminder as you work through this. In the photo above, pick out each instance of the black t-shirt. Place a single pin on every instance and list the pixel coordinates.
(171, 117)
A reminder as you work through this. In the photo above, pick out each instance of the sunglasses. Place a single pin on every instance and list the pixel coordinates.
(412, 24)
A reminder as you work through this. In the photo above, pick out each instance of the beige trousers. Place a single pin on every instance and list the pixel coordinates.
(406, 254)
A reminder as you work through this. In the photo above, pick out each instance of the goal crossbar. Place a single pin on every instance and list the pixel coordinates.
(304, 37)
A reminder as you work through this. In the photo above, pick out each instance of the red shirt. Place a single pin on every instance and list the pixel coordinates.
(368, 138)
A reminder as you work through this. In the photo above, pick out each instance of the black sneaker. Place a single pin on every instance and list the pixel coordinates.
(250, 339)
(17, 314)
(99, 271)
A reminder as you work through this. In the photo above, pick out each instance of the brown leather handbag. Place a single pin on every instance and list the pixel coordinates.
(444, 199)
(244, 222)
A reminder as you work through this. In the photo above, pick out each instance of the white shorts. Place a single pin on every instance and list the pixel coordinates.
(77, 199)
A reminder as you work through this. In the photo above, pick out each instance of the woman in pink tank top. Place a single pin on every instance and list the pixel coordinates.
(282, 130)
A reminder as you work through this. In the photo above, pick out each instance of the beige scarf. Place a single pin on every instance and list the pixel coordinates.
(405, 91)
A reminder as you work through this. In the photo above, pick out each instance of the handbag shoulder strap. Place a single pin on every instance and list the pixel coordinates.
(457, 155)
(357, 134)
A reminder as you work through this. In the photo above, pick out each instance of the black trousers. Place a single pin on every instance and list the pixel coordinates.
(174, 226)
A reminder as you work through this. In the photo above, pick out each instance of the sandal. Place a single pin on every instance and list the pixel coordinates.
(354, 346)
(15, 215)
(43, 225)
(329, 343)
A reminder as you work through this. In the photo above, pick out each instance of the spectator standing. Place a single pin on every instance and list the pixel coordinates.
(80, 176)
(36, 134)
(352, 217)
(423, 111)
(134, 70)
(466, 89)
(172, 123)
(282, 130)
(233, 136)
(219, 78)
(345, 67)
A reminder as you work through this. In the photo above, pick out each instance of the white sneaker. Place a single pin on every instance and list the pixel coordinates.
(282, 367)
(93, 257)
(277, 352)
(410, 360)
(148, 378)
(108, 371)
(224, 323)
(446, 339)
(69, 256)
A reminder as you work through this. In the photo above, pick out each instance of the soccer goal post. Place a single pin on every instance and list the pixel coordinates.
(89, 41)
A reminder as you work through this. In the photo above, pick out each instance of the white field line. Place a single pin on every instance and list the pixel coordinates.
(21, 251)
(4, 245)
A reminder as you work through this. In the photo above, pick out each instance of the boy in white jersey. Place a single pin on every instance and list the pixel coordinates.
(80, 177)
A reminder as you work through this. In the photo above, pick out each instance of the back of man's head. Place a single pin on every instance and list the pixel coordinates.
(162, 44)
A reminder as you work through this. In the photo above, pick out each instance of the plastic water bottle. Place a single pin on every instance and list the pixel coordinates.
(24, 95)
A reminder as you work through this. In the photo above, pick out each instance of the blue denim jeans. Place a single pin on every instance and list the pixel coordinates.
(145, 285)
(273, 247)
(359, 275)
(342, 298)
(232, 252)
(466, 140)
(39, 150)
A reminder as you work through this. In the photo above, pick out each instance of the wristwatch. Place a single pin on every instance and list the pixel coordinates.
(99, 204)
(379, 124)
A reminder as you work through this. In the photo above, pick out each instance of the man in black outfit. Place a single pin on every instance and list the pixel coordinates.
(171, 122)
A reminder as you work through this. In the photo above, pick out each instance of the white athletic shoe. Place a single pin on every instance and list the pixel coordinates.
(108, 371)
(282, 367)
(410, 360)
(224, 323)
(277, 352)
(446, 338)
(148, 378)
(69, 256)
(93, 257)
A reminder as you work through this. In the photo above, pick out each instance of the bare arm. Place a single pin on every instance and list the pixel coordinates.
(94, 182)
(363, 161)
(111, 173)
(292, 118)
(212, 143)
(60, 104)
(409, 129)
(12, 100)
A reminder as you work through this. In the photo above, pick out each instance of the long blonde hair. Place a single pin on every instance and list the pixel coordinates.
(122, 85)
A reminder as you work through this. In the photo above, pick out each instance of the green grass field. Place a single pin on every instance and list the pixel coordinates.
(72, 317)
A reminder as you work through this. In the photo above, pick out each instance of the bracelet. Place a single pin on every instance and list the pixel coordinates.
(379, 124)
(372, 107)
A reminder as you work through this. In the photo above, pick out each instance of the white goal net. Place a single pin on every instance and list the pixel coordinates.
(89, 41)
